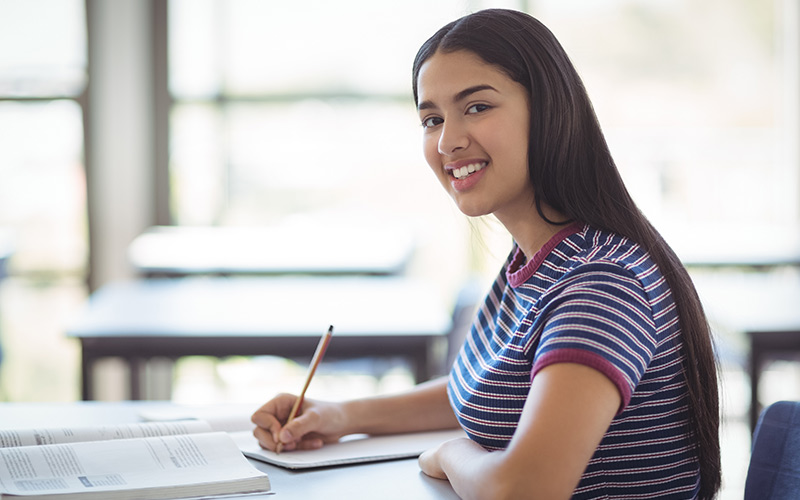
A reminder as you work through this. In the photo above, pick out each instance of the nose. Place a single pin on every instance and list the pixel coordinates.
(453, 137)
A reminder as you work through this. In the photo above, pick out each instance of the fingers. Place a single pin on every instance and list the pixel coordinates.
(269, 419)
(265, 439)
(302, 432)
(309, 441)
(314, 425)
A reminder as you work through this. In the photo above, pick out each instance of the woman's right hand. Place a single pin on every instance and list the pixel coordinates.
(315, 424)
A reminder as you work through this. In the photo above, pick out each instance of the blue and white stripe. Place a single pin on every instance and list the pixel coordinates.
(598, 299)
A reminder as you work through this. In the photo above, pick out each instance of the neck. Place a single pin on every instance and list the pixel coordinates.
(532, 232)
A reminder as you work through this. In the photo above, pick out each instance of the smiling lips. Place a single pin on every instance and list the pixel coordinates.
(467, 170)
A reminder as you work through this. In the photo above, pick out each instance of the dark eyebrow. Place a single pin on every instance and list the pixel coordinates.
(459, 96)
(471, 90)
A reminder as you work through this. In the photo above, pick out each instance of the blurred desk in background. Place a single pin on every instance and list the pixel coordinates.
(765, 306)
(725, 246)
(280, 315)
(288, 249)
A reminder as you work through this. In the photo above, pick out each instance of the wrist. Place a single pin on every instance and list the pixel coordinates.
(353, 416)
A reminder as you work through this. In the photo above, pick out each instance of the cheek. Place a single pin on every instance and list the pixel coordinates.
(513, 145)
(430, 149)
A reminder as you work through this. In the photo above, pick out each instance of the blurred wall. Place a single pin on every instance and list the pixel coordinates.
(120, 125)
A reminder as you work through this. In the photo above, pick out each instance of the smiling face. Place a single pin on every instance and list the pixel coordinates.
(475, 134)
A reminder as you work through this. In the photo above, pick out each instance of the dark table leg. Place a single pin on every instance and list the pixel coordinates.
(86, 379)
(755, 373)
(136, 370)
(87, 372)
(429, 362)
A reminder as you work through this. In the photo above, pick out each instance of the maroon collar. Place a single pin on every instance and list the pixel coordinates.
(519, 271)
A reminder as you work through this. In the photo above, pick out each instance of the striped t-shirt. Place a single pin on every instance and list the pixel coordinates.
(598, 299)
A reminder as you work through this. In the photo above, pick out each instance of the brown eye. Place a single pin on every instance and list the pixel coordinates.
(477, 108)
(431, 121)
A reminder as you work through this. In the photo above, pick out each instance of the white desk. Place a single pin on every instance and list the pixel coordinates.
(289, 249)
(283, 316)
(400, 479)
(722, 246)
(765, 307)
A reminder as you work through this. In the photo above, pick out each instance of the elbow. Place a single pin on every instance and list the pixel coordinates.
(503, 491)
(505, 481)
(515, 490)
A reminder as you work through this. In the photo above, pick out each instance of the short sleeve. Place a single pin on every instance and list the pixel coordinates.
(599, 316)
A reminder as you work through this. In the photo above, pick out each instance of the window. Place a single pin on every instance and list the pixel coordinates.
(43, 207)
(697, 101)
(42, 79)
(302, 109)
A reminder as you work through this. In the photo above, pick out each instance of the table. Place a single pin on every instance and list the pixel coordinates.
(287, 249)
(723, 246)
(765, 306)
(399, 479)
(284, 316)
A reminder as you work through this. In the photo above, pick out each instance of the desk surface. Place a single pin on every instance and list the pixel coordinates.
(728, 245)
(373, 316)
(298, 306)
(763, 305)
(400, 479)
(751, 302)
(289, 249)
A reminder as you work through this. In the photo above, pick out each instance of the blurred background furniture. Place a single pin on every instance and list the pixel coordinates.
(730, 248)
(762, 306)
(286, 249)
(280, 315)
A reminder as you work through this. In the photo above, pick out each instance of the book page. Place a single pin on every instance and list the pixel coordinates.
(61, 435)
(350, 450)
(227, 418)
(183, 465)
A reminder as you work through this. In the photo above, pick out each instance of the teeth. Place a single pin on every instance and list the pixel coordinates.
(463, 172)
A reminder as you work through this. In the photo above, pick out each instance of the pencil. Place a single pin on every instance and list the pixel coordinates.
(318, 354)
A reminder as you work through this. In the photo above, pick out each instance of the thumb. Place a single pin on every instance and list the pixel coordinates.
(301, 425)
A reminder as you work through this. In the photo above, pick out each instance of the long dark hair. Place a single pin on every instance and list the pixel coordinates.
(571, 170)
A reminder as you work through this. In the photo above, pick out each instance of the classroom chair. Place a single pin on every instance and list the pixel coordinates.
(466, 305)
(774, 471)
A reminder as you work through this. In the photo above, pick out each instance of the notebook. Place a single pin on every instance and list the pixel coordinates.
(355, 449)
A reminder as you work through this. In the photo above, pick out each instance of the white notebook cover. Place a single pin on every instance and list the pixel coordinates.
(350, 450)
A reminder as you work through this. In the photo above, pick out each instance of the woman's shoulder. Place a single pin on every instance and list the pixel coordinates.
(606, 259)
(597, 248)
(581, 253)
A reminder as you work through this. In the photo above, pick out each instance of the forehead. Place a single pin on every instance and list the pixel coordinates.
(447, 73)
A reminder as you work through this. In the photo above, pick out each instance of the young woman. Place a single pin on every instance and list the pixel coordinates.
(588, 371)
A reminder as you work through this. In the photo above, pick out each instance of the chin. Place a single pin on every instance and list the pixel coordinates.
(472, 211)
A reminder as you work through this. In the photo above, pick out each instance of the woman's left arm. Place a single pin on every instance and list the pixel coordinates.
(568, 410)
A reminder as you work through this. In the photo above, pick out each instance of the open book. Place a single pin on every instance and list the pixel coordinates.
(154, 460)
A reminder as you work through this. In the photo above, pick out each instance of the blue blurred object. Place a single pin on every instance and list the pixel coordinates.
(774, 471)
